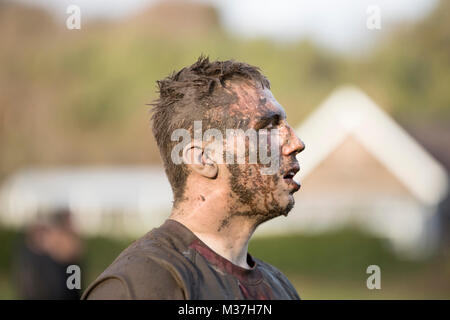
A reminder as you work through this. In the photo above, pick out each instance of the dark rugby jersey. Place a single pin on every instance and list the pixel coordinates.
(170, 262)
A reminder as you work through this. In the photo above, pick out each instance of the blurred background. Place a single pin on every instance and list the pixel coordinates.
(81, 177)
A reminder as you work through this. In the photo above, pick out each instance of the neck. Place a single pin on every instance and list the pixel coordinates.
(205, 214)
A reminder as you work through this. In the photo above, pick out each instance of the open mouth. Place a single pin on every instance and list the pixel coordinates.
(289, 175)
(289, 178)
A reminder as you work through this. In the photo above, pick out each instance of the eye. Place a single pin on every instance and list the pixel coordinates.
(268, 123)
(273, 124)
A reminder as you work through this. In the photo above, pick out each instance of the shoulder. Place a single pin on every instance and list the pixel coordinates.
(276, 276)
(147, 269)
(135, 276)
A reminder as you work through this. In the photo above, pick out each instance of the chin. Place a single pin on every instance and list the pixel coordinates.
(290, 204)
(283, 206)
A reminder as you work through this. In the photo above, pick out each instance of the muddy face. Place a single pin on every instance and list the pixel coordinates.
(253, 193)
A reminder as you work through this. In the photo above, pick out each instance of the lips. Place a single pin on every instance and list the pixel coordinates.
(288, 177)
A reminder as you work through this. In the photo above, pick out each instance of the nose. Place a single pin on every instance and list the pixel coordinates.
(293, 144)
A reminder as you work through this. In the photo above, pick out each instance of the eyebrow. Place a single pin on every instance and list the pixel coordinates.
(270, 117)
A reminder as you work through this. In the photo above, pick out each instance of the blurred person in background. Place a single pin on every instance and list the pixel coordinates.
(42, 258)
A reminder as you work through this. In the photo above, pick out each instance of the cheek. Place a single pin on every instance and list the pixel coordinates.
(275, 181)
(268, 184)
(271, 144)
(254, 181)
(254, 174)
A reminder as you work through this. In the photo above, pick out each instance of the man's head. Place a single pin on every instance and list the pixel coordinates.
(225, 95)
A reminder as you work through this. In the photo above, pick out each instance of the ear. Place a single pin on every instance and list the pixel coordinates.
(198, 161)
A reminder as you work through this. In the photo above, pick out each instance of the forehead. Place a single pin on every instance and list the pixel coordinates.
(255, 102)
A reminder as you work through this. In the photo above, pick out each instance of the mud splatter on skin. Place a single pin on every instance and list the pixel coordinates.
(224, 223)
(254, 195)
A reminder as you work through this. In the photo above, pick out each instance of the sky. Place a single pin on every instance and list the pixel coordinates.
(334, 24)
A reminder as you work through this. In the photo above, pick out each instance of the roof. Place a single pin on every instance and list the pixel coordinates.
(349, 111)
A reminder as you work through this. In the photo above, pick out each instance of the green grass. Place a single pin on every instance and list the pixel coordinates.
(343, 254)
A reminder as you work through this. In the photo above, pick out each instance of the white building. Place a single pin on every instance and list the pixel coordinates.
(106, 200)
